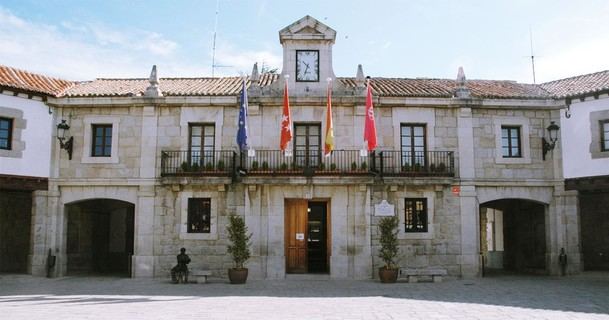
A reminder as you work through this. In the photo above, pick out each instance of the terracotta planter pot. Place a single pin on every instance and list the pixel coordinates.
(388, 275)
(237, 276)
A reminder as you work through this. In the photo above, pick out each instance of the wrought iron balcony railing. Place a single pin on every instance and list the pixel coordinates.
(307, 163)
(423, 163)
(198, 163)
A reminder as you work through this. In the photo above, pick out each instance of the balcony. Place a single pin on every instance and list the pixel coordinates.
(307, 163)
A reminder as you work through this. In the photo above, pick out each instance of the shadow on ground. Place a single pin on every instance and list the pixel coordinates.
(588, 293)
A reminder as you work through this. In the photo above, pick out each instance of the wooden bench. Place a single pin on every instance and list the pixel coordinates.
(201, 275)
(413, 274)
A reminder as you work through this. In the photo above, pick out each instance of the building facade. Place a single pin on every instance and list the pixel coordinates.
(25, 148)
(585, 136)
(156, 167)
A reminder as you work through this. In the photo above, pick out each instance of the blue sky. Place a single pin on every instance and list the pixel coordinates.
(82, 40)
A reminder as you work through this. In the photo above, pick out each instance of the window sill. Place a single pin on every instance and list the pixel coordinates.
(416, 235)
(100, 159)
(198, 236)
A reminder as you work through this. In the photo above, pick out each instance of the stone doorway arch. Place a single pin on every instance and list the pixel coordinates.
(513, 236)
(100, 237)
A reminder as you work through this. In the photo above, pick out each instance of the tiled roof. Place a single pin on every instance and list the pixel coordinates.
(579, 85)
(445, 88)
(19, 79)
(229, 86)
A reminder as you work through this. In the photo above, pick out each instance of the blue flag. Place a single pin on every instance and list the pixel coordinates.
(242, 125)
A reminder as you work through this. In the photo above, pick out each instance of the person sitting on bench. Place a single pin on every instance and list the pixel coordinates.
(180, 272)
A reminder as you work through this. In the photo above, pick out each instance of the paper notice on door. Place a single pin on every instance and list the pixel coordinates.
(300, 236)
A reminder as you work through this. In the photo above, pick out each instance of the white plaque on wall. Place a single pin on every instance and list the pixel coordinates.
(300, 236)
(384, 209)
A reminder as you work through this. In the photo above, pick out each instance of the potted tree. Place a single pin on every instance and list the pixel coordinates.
(238, 248)
(389, 249)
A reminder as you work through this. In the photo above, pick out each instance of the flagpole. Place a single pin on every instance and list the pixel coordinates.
(286, 121)
(329, 132)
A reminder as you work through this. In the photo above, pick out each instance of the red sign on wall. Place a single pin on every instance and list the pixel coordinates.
(456, 190)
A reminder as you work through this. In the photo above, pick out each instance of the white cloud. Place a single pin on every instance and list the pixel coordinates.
(85, 51)
(241, 61)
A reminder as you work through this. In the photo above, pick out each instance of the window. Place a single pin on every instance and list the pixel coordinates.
(102, 140)
(307, 144)
(202, 143)
(415, 218)
(413, 139)
(199, 215)
(604, 135)
(510, 142)
(6, 133)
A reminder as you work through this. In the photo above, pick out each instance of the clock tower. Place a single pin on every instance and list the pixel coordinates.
(307, 55)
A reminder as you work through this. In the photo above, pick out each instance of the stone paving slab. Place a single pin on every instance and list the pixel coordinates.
(505, 297)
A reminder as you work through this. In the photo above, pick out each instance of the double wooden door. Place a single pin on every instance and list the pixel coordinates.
(306, 236)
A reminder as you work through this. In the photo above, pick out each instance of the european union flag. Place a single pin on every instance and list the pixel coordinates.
(242, 125)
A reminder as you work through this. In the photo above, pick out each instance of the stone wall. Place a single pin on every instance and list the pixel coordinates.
(440, 247)
(127, 163)
(489, 163)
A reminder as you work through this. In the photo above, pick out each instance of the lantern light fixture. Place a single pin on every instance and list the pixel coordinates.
(553, 136)
(63, 131)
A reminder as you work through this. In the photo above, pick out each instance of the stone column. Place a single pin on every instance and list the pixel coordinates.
(470, 238)
(143, 257)
(470, 232)
(363, 250)
(38, 247)
(563, 231)
(148, 150)
(572, 227)
(48, 232)
(275, 260)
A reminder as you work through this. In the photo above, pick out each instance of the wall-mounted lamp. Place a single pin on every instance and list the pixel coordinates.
(63, 130)
(553, 133)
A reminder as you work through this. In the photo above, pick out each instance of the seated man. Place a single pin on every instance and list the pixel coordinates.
(180, 272)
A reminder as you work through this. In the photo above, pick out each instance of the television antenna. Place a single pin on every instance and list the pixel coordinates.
(213, 50)
(532, 54)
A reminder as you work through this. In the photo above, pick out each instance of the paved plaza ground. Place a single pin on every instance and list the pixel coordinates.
(501, 297)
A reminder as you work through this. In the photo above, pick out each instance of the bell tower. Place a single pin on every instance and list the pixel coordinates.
(307, 55)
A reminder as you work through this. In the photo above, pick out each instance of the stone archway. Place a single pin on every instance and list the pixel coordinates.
(100, 237)
(513, 236)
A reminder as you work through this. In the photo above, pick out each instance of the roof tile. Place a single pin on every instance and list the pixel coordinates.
(578, 85)
(19, 79)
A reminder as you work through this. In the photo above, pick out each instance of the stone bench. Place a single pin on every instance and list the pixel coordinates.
(413, 274)
(201, 275)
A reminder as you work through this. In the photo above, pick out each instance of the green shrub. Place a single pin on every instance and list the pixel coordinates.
(389, 241)
(254, 165)
(185, 166)
(239, 240)
(364, 166)
(220, 165)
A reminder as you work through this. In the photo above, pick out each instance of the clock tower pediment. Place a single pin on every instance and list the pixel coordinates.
(307, 56)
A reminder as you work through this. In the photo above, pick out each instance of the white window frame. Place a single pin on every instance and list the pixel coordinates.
(88, 122)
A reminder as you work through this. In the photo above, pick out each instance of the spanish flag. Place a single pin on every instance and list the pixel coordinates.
(329, 144)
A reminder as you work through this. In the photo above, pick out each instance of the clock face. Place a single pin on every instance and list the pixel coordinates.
(307, 65)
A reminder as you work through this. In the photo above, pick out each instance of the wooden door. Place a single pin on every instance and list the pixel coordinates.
(295, 235)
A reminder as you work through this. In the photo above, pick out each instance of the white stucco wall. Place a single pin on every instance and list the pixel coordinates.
(35, 157)
(576, 137)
